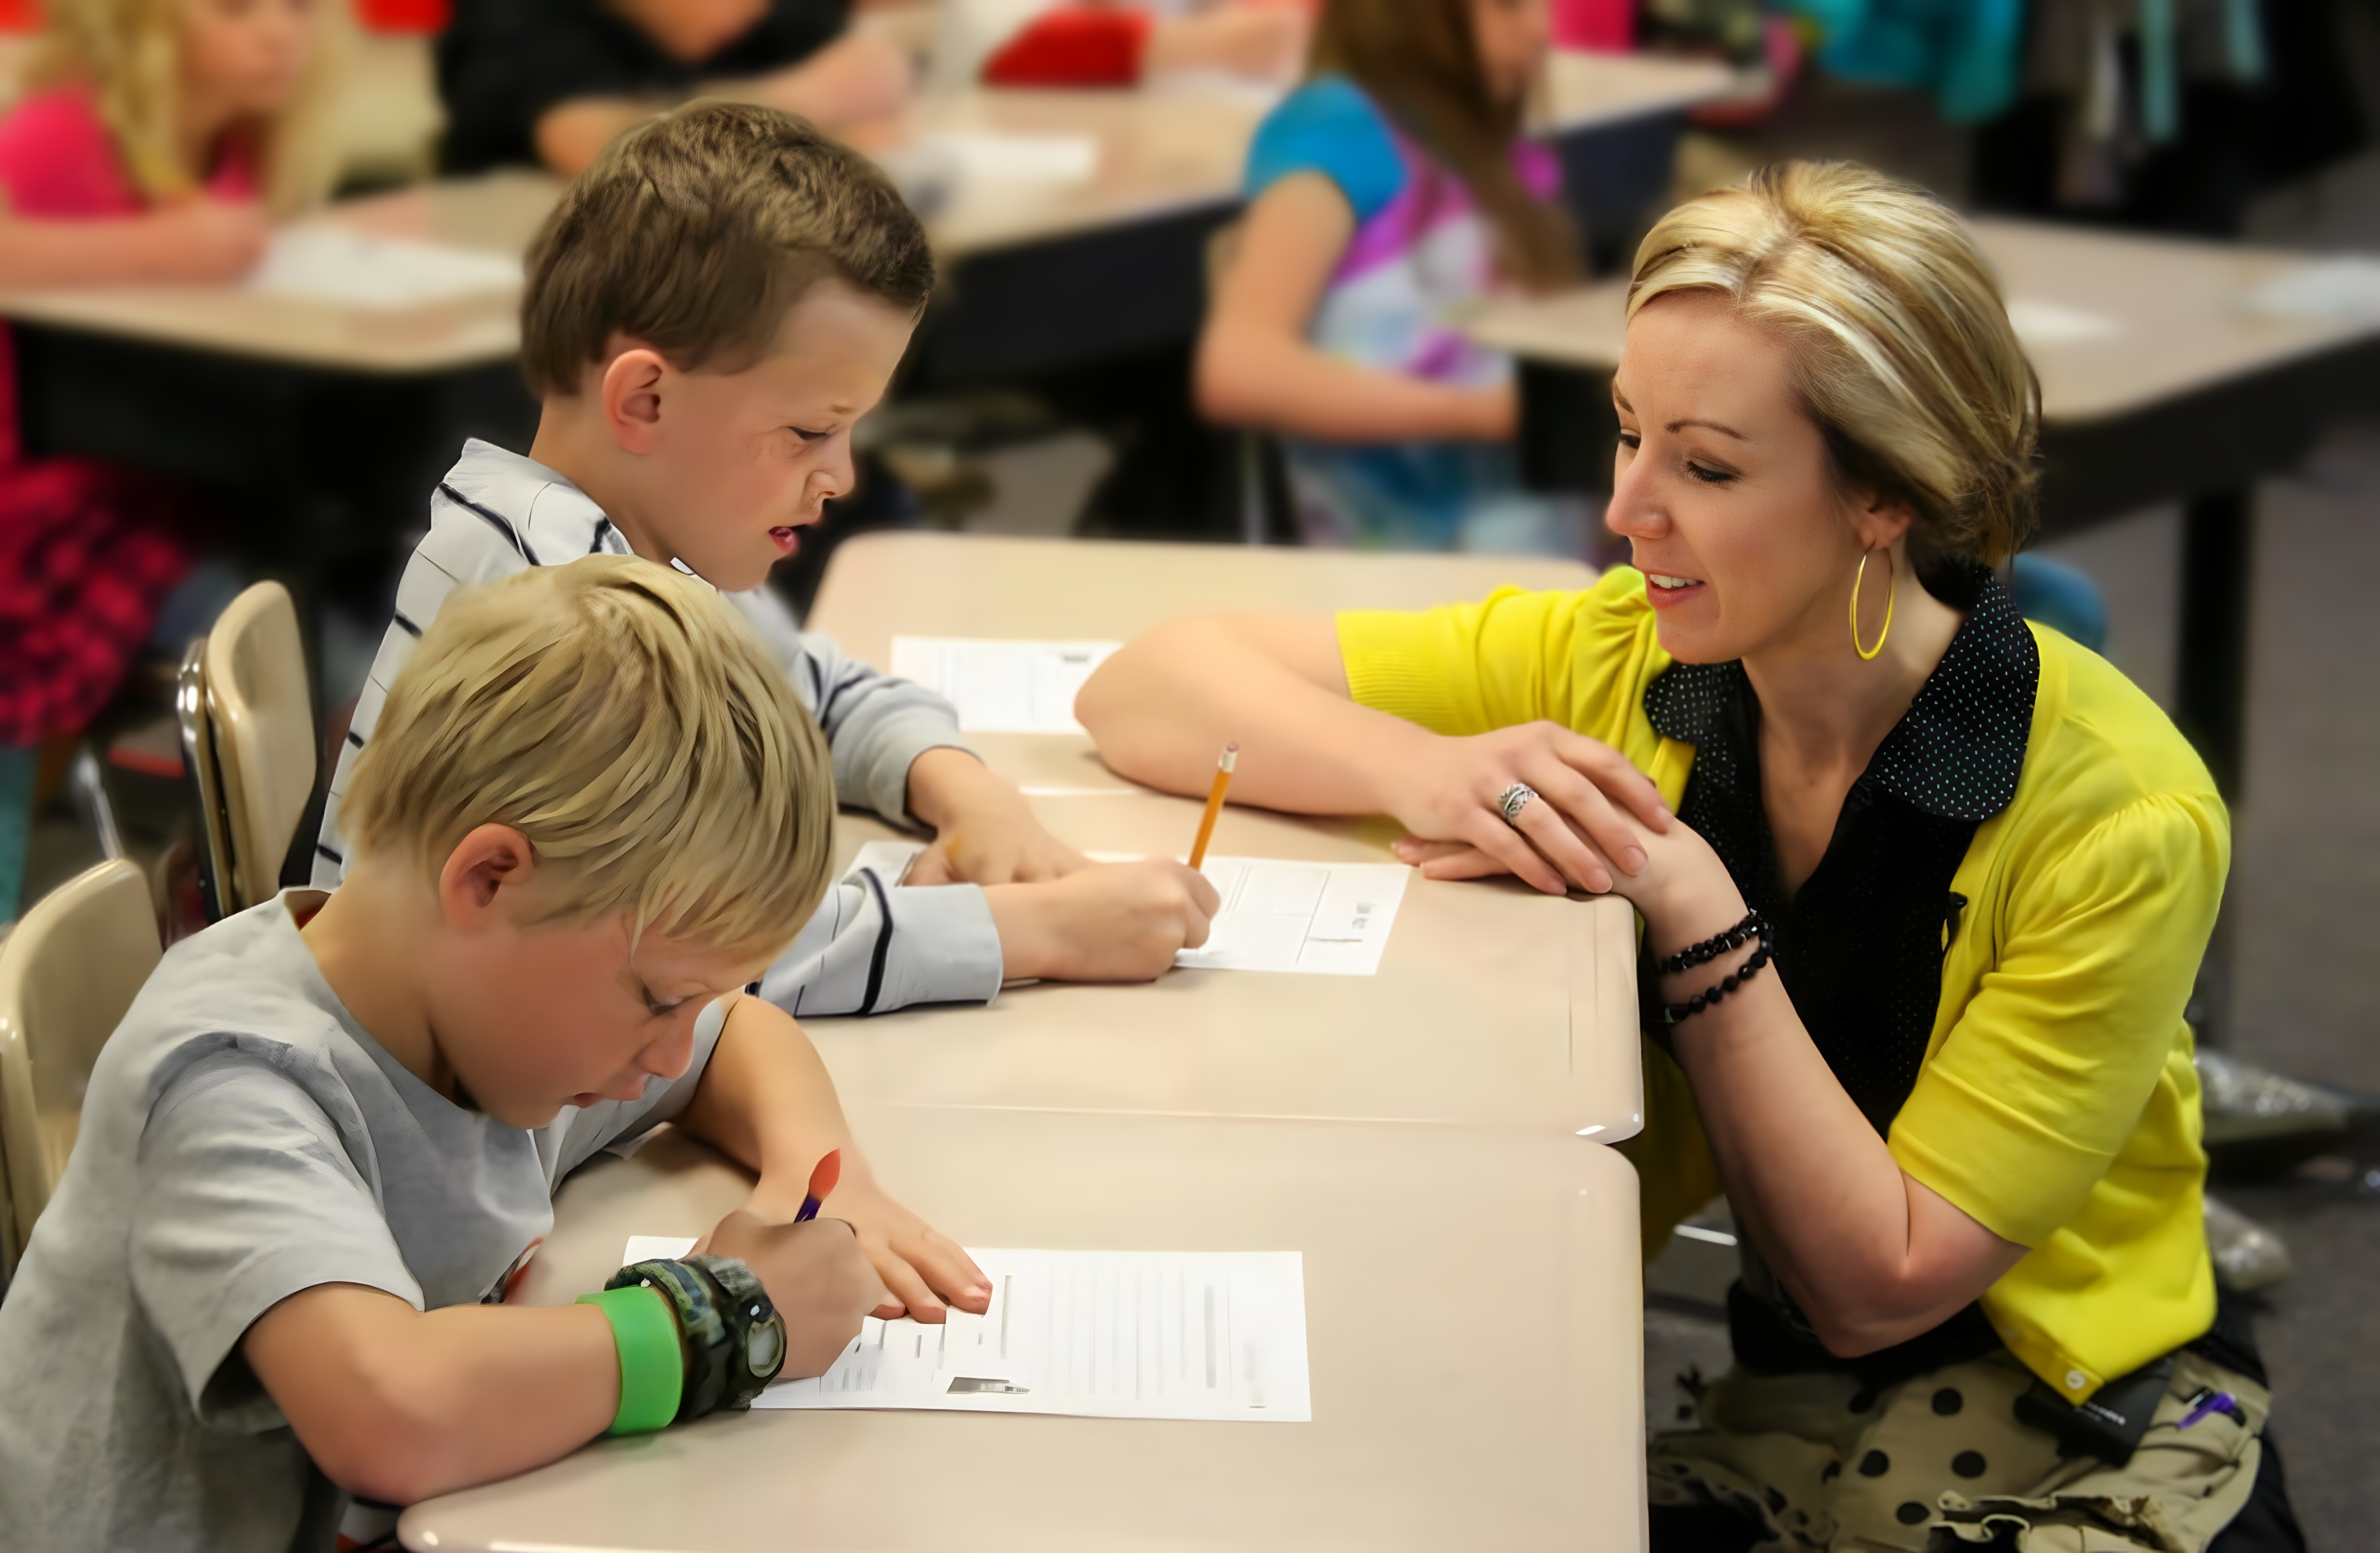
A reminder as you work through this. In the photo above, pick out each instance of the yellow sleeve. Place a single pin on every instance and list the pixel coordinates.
(1579, 659)
(2045, 1077)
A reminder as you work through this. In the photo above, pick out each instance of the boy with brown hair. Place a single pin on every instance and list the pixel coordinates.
(326, 1136)
(709, 309)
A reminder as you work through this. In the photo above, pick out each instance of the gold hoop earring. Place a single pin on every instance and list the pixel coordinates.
(1868, 654)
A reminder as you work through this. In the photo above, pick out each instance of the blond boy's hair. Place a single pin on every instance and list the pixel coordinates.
(128, 54)
(628, 722)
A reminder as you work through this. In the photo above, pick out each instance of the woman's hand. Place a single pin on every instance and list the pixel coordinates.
(1585, 818)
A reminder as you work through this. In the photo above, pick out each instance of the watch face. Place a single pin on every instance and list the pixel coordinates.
(764, 1346)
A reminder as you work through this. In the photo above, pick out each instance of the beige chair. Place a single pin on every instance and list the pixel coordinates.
(260, 713)
(68, 971)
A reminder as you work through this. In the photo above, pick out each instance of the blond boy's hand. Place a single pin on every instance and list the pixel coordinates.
(1115, 922)
(924, 1271)
(818, 1277)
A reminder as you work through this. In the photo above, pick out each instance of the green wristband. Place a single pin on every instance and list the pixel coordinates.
(652, 1368)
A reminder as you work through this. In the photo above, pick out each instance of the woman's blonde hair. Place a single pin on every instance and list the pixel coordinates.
(128, 54)
(626, 721)
(1902, 349)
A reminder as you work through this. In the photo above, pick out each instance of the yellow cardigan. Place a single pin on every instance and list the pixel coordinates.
(2057, 1104)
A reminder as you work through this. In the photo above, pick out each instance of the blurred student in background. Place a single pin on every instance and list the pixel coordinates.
(1389, 192)
(1117, 43)
(554, 81)
(155, 141)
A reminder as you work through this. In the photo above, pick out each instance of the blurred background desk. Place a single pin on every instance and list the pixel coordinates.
(1493, 1003)
(1473, 1311)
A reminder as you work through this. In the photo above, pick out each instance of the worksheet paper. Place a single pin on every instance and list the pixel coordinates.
(1216, 1335)
(1002, 687)
(1324, 919)
(1317, 919)
(336, 265)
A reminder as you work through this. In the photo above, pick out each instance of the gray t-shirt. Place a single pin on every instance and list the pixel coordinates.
(243, 1139)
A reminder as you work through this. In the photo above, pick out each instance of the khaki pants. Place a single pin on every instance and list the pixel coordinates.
(1941, 1462)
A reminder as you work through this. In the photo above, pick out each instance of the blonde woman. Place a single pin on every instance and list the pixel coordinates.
(1918, 935)
(155, 141)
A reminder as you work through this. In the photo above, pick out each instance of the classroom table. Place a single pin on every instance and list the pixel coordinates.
(2158, 385)
(1473, 1323)
(1493, 1003)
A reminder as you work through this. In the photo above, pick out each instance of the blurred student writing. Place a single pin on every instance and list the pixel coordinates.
(554, 81)
(1389, 192)
(153, 143)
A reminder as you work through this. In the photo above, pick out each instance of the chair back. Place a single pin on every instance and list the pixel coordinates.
(262, 714)
(68, 971)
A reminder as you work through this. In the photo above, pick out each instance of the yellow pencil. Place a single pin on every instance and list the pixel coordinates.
(1214, 803)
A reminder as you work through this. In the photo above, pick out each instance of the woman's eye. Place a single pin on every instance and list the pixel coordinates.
(1708, 475)
(1631, 439)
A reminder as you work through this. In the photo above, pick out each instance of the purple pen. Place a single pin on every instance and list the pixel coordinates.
(2222, 1401)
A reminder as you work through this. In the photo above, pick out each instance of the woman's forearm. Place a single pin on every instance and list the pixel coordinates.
(1872, 1256)
(1164, 706)
(1254, 374)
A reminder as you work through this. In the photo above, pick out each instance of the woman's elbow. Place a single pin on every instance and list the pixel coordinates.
(1225, 382)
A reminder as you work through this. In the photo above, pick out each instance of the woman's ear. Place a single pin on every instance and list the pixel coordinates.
(1881, 522)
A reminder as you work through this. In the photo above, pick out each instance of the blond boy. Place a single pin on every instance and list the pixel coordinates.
(324, 1141)
(709, 309)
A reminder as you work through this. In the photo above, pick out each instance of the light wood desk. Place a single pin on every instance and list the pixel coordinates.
(1474, 1320)
(1493, 1003)
(2160, 386)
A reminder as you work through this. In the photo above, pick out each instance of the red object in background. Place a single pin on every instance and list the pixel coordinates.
(394, 16)
(1074, 46)
(19, 15)
(1604, 26)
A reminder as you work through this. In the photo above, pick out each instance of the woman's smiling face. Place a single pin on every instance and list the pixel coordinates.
(1723, 487)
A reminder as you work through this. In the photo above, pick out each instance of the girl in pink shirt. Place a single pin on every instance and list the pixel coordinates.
(155, 140)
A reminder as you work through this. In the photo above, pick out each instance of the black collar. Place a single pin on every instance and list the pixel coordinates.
(1958, 751)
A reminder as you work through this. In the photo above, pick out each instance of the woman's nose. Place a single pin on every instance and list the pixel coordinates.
(1634, 512)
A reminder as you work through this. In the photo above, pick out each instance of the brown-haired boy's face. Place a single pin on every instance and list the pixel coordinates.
(738, 463)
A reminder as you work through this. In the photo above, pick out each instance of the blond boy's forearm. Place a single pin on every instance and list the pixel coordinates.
(767, 1101)
(397, 1405)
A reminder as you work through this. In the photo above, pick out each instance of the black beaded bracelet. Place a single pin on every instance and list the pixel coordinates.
(1672, 1013)
(1711, 948)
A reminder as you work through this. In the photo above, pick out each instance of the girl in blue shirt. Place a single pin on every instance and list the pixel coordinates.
(1388, 194)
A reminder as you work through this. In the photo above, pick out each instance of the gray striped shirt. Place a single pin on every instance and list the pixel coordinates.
(872, 947)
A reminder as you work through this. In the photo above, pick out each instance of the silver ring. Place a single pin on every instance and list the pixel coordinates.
(1515, 799)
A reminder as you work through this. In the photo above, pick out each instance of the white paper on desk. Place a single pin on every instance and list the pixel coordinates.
(2346, 288)
(2039, 322)
(335, 265)
(1324, 919)
(1093, 1334)
(1002, 687)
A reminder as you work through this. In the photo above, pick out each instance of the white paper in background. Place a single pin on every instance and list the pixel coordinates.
(336, 265)
(1093, 1334)
(2346, 288)
(1324, 919)
(2039, 322)
(656, 1248)
(1002, 687)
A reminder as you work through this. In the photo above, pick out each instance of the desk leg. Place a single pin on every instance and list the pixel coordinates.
(2218, 555)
